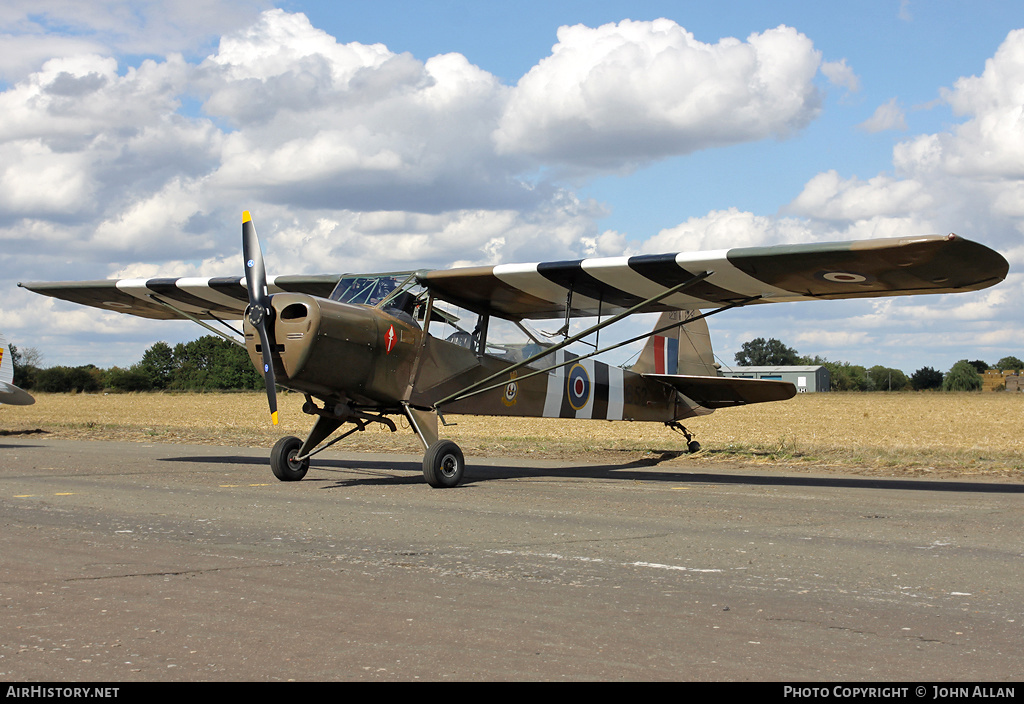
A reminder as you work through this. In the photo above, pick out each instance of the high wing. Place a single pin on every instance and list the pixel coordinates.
(607, 286)
(206, 298)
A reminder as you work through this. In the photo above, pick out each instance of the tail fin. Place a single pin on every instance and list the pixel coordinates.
(681, 350)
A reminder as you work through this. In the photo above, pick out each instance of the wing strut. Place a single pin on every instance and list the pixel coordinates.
(197, 321)
(458, 396)
(476, 388)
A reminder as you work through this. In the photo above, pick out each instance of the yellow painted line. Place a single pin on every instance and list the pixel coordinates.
(23, 496)
(66, 493)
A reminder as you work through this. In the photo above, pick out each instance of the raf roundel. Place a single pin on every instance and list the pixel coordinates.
(843, 277)
(578, 387)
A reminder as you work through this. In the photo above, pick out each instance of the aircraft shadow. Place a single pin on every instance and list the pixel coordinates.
(377, 472)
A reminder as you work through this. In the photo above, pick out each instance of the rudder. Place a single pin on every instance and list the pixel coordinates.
(685, 349)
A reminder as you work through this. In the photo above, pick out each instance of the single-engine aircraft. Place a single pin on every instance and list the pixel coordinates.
(363, 347)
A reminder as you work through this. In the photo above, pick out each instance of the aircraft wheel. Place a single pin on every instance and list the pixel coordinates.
(693, 446)
(443, 465)
(282, 460)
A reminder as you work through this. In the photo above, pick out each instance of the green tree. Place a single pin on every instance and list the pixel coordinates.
(761, 352)
(963, 376)
(157, 365)
(980, 366)
(926, 378)
(26, 365)
(86, 379)
(886, 379)
(1006, 364)
(848, 377)
(128, 379)
(213, 363)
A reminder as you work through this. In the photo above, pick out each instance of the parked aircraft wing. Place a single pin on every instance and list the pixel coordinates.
(222, 297)
(726, 392)
(9, 393)
(606, 286)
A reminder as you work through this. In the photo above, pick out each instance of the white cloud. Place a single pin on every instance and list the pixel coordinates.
(829, 197)
(623, 94)
(990, 143)
(40, 29)
(723, 229)
(840, 74)
(887, 116)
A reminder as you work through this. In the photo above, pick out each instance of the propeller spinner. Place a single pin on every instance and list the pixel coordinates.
(259, 310)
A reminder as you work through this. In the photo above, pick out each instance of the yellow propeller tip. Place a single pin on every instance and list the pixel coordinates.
(273, 417)
(246, 217)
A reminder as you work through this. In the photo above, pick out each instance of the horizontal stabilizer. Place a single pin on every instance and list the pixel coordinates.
(725, 392)
(13, 396)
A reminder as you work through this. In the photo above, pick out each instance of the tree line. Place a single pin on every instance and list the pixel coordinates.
(210, 363)
(963, 376)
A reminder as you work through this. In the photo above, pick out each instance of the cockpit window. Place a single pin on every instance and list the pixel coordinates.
(393, 292)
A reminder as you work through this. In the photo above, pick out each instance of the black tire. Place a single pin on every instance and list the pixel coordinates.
(444, 465)
(282, 460)
(693, 446)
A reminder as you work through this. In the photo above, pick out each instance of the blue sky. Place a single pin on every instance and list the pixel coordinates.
(395, 134)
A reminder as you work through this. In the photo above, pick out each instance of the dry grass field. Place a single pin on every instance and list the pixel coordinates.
(891, 434)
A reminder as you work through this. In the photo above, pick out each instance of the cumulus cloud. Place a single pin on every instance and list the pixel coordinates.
(305, 130)
(37, 30)
(723, 229)
(968, 179)
(324, 125)
(840, 74)
(622, 94)
(829, 197)
(887, 116)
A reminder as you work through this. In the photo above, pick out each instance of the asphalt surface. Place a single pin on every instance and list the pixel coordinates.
(128, 562)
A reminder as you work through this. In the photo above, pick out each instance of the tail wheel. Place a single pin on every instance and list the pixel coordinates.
(283, 462)
(444, 465)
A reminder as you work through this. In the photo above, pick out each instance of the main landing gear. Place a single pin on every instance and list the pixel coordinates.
(444, 465)
(691, 444)
(283, 463)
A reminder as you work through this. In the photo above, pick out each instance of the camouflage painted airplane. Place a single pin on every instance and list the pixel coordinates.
(428, 343)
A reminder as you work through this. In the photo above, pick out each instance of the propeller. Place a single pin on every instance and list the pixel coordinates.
(259, 309)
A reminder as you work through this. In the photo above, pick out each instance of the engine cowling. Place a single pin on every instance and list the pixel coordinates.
(339, 351)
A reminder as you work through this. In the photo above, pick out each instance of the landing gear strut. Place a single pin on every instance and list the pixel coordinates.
(691, 444)
(444, 465)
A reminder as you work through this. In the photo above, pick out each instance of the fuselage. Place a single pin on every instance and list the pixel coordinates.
(380, 359)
